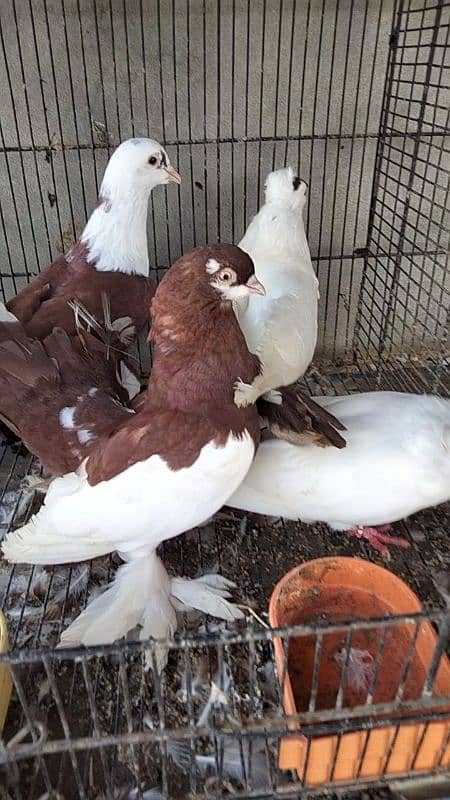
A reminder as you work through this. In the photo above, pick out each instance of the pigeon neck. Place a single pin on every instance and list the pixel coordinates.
(279, 231)
(213, 345)
(116, 234)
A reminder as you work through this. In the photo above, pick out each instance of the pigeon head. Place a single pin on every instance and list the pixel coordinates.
(137, 164)
(230, 272)
(115, 236)
(204, 279)
(284, 187)
(205, 275)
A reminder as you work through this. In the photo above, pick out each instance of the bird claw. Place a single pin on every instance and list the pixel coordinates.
(378, 537)
(244, 394)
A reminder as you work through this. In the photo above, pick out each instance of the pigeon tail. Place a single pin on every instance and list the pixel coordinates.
(40, 542)
(299, 419)
(26, 370)
(10, 328)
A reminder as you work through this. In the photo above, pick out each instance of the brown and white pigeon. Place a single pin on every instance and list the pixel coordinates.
(282, 329)
(106, 272)
(165, 469)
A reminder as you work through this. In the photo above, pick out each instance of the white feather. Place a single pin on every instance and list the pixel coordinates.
(207, 594)
(139, 595)
(134, 511)
(67, 417)
(116, 232)
(84, 436)
(216, 581)
(5, 315)
(282, 326)
(396, 462)
(128, 380)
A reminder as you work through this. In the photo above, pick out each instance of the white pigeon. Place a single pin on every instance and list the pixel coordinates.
(396, 462)
(282, 329)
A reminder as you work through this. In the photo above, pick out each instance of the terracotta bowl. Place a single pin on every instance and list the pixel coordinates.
(335, 590)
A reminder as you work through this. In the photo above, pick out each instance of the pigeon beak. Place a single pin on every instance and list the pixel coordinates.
(254, 286)
(174, 176)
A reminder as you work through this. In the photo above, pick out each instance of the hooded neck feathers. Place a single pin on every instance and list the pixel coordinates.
(200, 348)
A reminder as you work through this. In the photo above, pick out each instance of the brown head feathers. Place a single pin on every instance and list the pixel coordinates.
(200, 348)
(200, 354)
(205, 275)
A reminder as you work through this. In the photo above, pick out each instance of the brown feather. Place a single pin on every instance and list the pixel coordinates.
(48, 301)
(299, 420)
(200, 352)
(28, 363)
(43, 304)
(40, 379)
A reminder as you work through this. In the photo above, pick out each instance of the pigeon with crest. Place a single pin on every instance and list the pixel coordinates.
(282, 329)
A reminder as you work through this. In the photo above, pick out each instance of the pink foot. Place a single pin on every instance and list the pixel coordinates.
(378, 537)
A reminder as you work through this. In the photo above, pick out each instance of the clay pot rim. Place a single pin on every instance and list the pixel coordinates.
(351, 564)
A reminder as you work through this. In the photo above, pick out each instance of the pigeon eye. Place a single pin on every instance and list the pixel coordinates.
(226, 275)
(153, 160)
(296, 183)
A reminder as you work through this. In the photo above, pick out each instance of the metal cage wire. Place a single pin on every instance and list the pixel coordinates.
(356, 96)
(153, 731)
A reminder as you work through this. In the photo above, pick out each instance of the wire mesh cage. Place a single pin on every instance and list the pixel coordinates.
(354, 95)
(216, 729)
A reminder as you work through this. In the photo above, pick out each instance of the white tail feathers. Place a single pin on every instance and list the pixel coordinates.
(5, 315)
(37, 543)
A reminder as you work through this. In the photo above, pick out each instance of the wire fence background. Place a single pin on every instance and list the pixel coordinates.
(355, 95)
(236, 89)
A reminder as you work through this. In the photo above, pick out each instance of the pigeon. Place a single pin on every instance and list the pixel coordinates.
(165, 469)
(105, 274)
(282, 329)
(397, 462)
